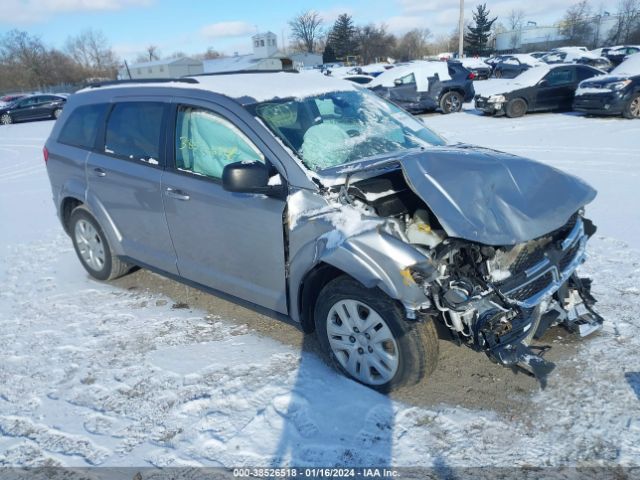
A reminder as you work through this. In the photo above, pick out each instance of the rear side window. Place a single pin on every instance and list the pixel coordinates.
(133, 131)
(82, 126)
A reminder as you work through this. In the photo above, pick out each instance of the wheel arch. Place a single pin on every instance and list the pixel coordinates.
(316, 278)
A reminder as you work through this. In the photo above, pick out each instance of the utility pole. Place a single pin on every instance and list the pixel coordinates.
(461, 30)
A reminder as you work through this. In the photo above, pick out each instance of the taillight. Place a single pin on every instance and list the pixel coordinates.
(45, 153)
(471, 76)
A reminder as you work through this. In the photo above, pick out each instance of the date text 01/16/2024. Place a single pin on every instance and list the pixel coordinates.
(293, 472)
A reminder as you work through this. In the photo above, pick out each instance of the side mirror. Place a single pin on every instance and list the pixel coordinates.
(248, 177)
(543, 83)
(397, 82)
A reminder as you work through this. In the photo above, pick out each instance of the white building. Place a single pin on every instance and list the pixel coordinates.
(169, 68)
(265, 56)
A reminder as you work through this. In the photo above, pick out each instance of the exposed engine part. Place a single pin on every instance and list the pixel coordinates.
(419, 230)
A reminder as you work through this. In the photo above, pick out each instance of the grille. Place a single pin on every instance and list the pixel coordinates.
(527, 260)
(531, 289)
(568, 257)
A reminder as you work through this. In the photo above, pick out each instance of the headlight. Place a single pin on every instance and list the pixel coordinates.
(496, 99)
(618, 85)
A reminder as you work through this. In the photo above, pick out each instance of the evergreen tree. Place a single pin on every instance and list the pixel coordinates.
(329, 56)
(342, 37)
(478, 34)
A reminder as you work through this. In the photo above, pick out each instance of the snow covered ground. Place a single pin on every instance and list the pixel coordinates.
(95, 374)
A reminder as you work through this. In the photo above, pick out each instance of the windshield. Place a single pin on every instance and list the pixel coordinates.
(341, 127)
(630, 67)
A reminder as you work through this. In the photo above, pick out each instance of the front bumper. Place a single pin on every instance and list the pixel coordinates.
(492, 108)
(606, 103)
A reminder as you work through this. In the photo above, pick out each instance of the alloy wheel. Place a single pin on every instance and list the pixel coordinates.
(634, 108)
(362, 342)
(6, 119)
(89, 244)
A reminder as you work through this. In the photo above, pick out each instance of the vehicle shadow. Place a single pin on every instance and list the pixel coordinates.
(331, 421)
(633, 379)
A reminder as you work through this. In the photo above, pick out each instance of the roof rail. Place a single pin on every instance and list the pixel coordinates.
(141, 80)
(236, 72)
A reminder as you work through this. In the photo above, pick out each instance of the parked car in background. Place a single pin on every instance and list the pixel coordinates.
(618, 54)
(316, 201)
(542, 88)
(538, 55)
(426, 86)
(577, 55)
(617, 93)
(510, 66)
(477, 66)
(32, 107)
(10, 98)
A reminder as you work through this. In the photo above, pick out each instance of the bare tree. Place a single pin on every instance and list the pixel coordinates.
(627, 28)
(91, 50)
(153, 53)
(577, 25)
(306, 28)
(515, 21)
(374, 42)
(24, 59)
(413, 44)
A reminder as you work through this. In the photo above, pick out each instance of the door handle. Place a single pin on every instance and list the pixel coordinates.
(177, 194)
(99, 172)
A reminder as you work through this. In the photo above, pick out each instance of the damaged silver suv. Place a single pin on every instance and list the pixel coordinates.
(314, 200)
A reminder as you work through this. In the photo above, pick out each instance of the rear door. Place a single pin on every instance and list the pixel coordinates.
(124, 177)
(24, 109)
(556, 90)
(232, 242)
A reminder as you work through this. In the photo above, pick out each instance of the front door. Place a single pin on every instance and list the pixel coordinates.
(125, 176)
(232, 242)
(557, 89)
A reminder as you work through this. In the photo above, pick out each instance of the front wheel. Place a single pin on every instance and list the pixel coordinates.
(516, 107)
(56, 113)
(451, 102)
(6, 119)
(632, 110)
(92, 247)
(367, 338)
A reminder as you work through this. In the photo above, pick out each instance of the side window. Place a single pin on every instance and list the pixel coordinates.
(133, 131)
(27, 102)
(559, 76)
(82, 126)
(206, 143)
(584, 73)
(407, 79)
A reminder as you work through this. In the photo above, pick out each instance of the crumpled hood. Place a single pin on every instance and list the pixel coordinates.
(492, 197)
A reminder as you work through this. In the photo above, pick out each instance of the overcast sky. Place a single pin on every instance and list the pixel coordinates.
(192, 26)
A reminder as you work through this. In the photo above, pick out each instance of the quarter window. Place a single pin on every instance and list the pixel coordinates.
(83, 124)
(206, 143)
(133, 131)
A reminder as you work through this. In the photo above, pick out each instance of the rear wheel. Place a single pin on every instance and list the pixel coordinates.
(516, 108)
(6, 119)
(451, 102)
(92, 247)
(632, 110)
(367, 338)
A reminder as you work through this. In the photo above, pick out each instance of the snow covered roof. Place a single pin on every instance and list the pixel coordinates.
(167, 61)
(528, 78)
(523, 58)
(257, 86)
(631, 66)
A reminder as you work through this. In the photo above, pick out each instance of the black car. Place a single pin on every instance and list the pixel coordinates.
(32, 107)
(615, 94)
(510, 66)
(447, 94)
(542, 88)
(617, 55)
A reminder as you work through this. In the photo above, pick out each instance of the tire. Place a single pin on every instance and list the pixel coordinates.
(92, 247)
(516, 107)
(451, 102)
(6, 119)
(632, 110)
(56, 113)
(405, 352)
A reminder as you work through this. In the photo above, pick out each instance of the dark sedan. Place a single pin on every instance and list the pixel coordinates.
(510, 66)
(617, 55)
(615, 94)
(32, 107)
(542, 88)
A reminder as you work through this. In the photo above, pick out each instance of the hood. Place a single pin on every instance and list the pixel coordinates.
(491, 197)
